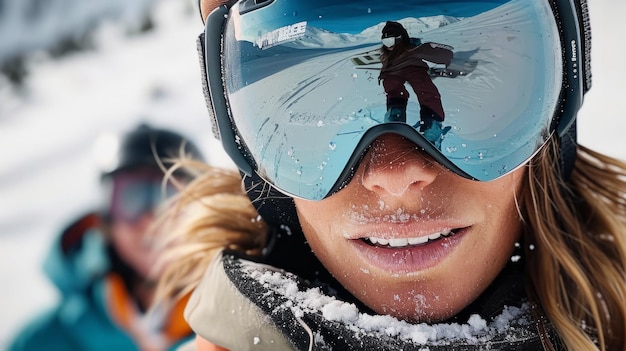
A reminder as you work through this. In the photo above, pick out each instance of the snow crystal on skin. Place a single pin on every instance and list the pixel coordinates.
(312, 300)
(399, 217)
(364, 215)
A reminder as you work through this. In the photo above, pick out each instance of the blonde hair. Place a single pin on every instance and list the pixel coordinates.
(575, 236)
(210, 214)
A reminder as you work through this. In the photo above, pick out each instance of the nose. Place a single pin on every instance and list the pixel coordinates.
(394, 166)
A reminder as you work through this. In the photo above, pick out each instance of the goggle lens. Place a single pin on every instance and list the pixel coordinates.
(390, 41)
(309, 89)
(136, 196)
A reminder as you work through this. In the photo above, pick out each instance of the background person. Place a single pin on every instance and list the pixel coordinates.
(103, 262)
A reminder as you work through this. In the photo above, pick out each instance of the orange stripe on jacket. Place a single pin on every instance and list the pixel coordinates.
(124, 312)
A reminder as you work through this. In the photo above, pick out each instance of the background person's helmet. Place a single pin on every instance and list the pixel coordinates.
(146, 146)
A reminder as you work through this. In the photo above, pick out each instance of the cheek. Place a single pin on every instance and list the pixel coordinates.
(312, 220)
(317, 220)
(316, 217)
(502, 226)
(498, 199)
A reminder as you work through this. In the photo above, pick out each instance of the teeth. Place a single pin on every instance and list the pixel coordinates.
(417, 241)
(398, 242)
(402, 242)
(434, 236)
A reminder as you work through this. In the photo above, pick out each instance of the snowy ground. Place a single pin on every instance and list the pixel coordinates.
(47, 173)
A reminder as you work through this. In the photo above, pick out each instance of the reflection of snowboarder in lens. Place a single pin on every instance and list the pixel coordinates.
(403, 60)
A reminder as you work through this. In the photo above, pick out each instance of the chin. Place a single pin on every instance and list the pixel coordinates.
(417, 313)
(416, 302)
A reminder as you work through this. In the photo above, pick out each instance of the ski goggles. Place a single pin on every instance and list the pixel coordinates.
(390, 41)
(299, 90)
(136, 195)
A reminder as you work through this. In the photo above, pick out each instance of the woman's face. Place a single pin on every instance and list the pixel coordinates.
(371, 235)
(410, 238)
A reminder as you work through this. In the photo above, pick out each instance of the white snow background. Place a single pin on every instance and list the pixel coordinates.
(48, 168)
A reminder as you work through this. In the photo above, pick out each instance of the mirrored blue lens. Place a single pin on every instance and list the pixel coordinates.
(306, 81)
(134, 197)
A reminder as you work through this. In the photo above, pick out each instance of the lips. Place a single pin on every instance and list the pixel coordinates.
(402, 253)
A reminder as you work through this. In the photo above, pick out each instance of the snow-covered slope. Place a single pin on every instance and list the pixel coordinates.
(34, 25)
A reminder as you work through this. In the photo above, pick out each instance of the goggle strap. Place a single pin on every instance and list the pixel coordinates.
(205, 85)
(218, 107)
(574, 97)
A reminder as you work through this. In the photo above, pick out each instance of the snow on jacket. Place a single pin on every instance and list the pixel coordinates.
(95, 312)
(263, 308)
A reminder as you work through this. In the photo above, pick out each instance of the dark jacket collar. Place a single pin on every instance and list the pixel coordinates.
(306, 326)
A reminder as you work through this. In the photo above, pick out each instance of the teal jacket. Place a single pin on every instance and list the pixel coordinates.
(83, 319)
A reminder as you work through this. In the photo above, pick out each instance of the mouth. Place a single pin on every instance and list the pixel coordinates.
(409, 242)
(409, 253)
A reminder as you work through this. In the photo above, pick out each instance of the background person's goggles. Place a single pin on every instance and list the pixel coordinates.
(390, 41)
(135, 196)
(299, 89)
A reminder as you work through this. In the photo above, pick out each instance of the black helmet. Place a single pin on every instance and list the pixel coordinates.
(146, 146)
